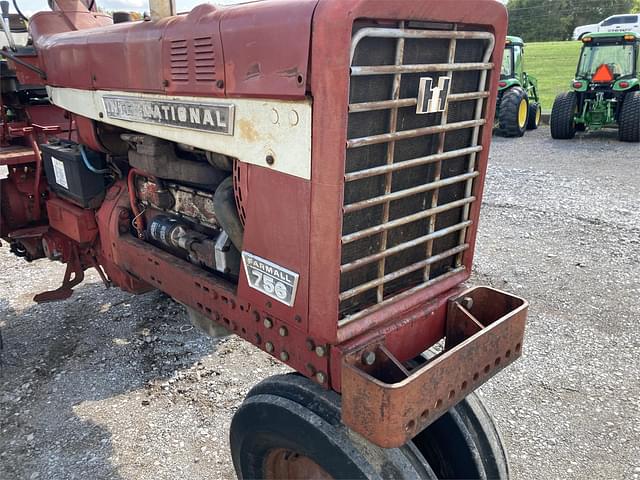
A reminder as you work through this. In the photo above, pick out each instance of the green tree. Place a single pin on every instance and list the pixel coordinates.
(544, 20)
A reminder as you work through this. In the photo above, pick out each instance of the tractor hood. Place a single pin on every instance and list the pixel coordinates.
(211, 51)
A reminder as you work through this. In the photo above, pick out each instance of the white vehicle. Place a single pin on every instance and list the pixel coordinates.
(614, 23)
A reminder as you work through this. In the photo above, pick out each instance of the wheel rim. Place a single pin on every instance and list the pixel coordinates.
(538, 115)
(522, 113)
(284, 463)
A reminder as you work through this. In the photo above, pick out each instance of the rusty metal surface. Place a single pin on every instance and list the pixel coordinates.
(266, 48)
(388, 405)
(73, 275)
(77, 223)
(16, 155)
(283, 463)
(211, 51)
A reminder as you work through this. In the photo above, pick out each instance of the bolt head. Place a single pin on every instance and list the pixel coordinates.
(283, 331)
(467, 302)
(284, 356)
(321, 350)
(270, 160)
(269, 347)
(368, 358)
(268, 323)
(321, 377)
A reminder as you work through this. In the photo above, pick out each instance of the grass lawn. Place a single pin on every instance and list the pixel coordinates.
(554, 65)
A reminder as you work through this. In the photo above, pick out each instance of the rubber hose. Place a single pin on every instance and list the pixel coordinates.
(88, 165)
(224, 203)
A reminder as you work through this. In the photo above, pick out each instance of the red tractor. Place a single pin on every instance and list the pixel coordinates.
(304, 174)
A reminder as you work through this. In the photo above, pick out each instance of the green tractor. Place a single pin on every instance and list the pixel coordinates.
(606, 90)
(518, 107)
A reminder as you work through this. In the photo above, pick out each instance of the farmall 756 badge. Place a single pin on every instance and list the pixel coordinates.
(273, 280)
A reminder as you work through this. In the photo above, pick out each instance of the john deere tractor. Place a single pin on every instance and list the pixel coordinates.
(518, 106)
(606, 89)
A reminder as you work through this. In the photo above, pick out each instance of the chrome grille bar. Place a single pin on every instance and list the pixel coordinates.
(417, 132)
(406, 33)
(403, 246)
(438, 172)
(390, 197)
(405, 222)
(416, 162)
(400, 296)
(352, 237)
(472, 158)
(393, 124)
(403, 271)
(410, 102)
(437, 67)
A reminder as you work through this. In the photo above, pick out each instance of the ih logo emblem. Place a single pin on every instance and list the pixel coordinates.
(433, 99)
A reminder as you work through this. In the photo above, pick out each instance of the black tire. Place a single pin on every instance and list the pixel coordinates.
(468, 430)
(629, 119)
(535, 113)
(563, 125)
(509, 121)
(291, 413)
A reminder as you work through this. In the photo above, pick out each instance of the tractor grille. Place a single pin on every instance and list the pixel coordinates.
(409, 176)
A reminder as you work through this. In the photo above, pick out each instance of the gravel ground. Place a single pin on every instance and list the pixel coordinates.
(106, 385)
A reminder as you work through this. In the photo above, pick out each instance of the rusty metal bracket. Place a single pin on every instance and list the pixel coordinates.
(389, 404)
(74, 267)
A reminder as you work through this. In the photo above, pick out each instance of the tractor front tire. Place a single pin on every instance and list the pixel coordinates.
(535, 113)
(289, 428)
(629, 120)
(514, 112)
(563, 124)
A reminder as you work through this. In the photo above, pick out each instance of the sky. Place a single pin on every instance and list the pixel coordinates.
(29, 7)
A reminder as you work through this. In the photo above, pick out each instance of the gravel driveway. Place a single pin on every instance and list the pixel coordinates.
(106, 385)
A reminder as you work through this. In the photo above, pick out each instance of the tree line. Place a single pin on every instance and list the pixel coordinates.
(546, 20)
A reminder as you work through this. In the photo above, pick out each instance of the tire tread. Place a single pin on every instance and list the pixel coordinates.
(629, 124)
(562, 124)
(508, 113)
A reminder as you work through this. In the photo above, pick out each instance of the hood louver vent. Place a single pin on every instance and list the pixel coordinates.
(193, 60)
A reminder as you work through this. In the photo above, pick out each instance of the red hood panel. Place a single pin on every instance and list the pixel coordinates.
(250, 50)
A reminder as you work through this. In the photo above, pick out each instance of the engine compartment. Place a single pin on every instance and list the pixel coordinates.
(180, 202)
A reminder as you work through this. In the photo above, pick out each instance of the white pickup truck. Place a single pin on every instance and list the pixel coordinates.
(615, 23)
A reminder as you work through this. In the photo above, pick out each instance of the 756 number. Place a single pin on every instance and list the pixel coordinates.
(270, 285)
